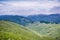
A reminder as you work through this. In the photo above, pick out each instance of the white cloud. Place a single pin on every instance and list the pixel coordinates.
(32, 4)
(55, 9)
(1, 5)
(27, 8)
(29, 0)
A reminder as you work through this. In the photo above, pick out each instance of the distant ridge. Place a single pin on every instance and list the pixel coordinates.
(15, 18)
(52, 18)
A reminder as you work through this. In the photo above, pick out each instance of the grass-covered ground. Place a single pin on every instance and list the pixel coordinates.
(14, 31)
(43, 29)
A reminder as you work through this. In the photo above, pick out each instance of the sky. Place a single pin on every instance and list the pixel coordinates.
(29, 7)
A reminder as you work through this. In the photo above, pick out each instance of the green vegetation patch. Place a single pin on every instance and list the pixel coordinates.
(51, 30)
(13, 31)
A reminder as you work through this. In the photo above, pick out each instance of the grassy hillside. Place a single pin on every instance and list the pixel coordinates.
(52, 30)
(13, 31)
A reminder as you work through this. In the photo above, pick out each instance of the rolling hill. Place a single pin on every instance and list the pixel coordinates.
(14, 31)
(52, 30)
(32, 27)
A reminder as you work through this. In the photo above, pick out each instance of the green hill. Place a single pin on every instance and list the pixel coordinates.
(13, 31)
(52, 30)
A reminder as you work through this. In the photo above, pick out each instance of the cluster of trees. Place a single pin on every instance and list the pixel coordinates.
(48, 22)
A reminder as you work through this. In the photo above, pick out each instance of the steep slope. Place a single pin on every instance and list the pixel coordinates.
(17, 19)
(52, 30)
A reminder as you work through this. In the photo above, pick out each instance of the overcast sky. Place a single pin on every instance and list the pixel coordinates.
(29, 7)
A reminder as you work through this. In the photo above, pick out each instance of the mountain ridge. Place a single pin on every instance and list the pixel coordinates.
(53, 18)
